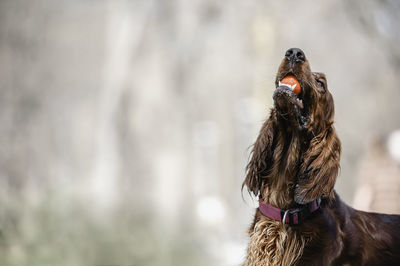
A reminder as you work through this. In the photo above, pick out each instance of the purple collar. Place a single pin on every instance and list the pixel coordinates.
(291, 216)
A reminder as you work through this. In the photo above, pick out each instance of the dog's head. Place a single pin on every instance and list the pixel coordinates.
(296, 155)
(313, 106)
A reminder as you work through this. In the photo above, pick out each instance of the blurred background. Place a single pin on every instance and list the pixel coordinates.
(125, 126)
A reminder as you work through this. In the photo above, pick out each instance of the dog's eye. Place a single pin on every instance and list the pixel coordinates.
(321, 84)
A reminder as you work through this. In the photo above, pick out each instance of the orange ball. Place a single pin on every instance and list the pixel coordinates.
(293, 83)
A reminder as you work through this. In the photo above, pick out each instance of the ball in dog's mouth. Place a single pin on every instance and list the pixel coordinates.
(293, 84)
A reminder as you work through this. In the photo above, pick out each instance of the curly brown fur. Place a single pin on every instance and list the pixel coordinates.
(295, 160)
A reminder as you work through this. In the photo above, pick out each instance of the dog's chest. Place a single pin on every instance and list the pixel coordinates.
(272, 244)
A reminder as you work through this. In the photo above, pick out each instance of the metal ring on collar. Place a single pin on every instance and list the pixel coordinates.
(284, 217)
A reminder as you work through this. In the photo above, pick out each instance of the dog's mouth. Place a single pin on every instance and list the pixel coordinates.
(290, 99)
(291, 82)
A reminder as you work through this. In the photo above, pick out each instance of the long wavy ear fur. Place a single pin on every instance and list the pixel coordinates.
(320, 168)
(260, 160)
(321, 161)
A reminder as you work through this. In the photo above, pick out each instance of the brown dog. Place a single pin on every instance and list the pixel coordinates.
(293, 169)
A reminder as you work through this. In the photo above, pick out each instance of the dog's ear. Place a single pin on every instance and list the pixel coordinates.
(260, 160)
(320, 168)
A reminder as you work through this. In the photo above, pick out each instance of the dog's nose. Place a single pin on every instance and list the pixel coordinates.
(295, 55)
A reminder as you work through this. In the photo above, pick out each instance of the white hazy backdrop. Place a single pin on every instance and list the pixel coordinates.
(125, 126)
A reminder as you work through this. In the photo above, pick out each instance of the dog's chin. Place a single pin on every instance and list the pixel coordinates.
(289, 107)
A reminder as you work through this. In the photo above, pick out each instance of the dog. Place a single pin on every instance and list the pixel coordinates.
(293, 167)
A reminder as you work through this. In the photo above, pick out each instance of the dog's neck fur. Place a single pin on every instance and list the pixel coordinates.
(278, 187)
(271, 242)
